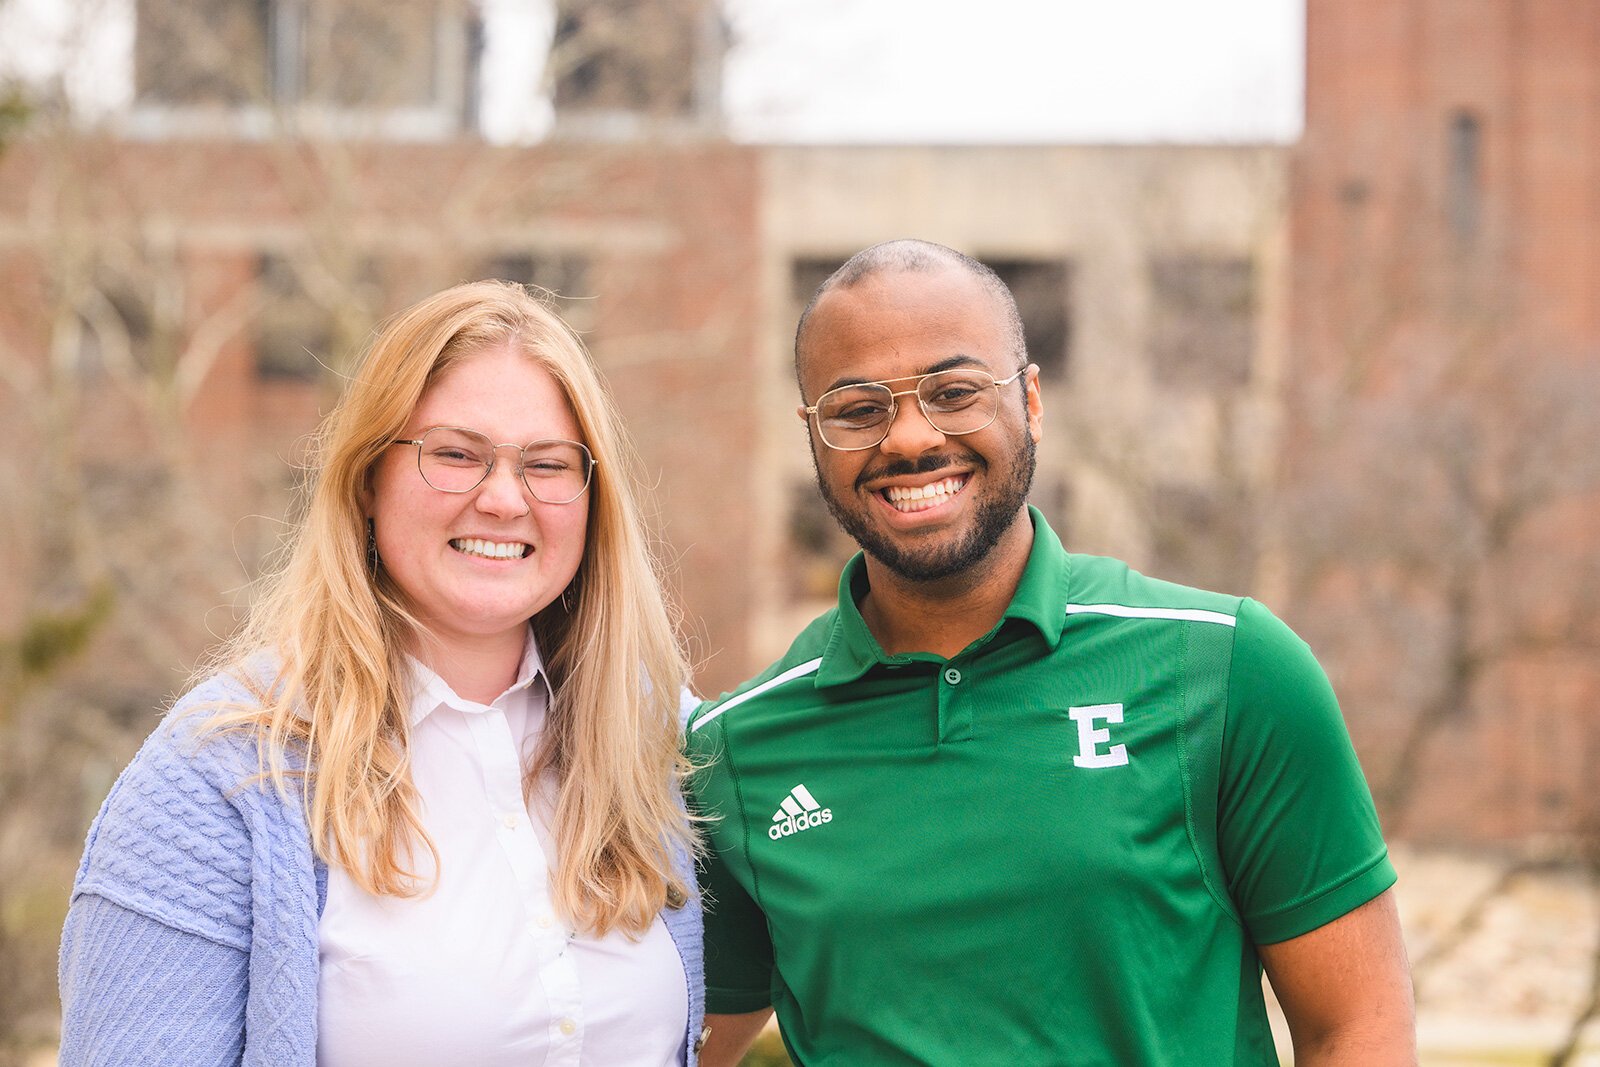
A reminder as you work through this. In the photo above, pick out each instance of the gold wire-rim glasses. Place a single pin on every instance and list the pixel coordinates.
(893, 408)
(589, 463)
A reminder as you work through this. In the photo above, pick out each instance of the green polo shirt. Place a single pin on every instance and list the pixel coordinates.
(1060, 846)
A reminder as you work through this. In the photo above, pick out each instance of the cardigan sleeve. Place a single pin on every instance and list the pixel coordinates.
(170, 841)
(135, 990)
(156, 952)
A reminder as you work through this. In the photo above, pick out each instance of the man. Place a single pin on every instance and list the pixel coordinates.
(1008, 805)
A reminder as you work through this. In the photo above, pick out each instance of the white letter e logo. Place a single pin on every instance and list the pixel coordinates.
(1089, 738)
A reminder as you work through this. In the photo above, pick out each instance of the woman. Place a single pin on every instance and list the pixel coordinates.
(426, 811)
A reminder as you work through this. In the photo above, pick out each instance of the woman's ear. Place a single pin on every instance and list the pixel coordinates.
(364, 494)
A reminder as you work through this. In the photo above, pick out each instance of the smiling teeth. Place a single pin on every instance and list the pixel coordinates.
(923, 497)
(477, 546)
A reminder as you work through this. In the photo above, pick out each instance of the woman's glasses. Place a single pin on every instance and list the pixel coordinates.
(453, 459)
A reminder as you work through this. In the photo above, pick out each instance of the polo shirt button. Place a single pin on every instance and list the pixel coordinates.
(568, 1027)
(952, 676)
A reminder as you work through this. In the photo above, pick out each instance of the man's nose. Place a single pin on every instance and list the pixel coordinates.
(910, 432)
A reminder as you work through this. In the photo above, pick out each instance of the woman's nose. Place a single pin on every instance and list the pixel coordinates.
(503, 491)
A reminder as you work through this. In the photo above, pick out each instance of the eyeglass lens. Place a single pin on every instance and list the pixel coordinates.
(454, 460)
(954, 401)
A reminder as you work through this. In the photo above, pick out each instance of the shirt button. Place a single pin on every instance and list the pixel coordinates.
(509, 821)
(545, 922)
(952, 676)
(568, 1027)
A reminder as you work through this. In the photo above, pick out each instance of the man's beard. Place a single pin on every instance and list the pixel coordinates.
(997, 510)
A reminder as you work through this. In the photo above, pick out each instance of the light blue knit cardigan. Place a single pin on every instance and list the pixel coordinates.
(192, 933)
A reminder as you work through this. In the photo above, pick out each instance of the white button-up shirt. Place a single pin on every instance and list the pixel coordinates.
(484, 970)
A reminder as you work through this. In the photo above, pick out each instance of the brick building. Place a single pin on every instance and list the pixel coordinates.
(190, 283)
(656, 249)
(271, 193)
(1446, 264)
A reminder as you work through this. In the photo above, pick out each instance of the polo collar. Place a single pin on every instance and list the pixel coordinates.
(1040, 598)
(851, 650)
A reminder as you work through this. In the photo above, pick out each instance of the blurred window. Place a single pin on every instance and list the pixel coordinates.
(345, 55)
(293, 331)
(564, 274)
(371, 53)
(1043, 291)
(1202, 330)
(628, 56)
(806, 276)
(1042, 288)
(116, 328)
(202, 51)
(1465, 174)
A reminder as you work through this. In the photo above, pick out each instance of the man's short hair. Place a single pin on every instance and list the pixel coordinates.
(916, 256)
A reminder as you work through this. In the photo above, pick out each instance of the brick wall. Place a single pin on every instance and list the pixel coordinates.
(1446, 254)
(666, 233)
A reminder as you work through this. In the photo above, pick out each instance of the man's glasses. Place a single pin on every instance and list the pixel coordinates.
(456, 460)
(854, 417)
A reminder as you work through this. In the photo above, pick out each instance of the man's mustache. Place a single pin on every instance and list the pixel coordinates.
(901, 468)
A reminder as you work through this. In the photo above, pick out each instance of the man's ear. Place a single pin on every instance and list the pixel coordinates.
(801, 411)
(1035, 404)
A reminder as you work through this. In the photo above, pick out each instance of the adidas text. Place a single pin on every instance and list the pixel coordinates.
(795, 823)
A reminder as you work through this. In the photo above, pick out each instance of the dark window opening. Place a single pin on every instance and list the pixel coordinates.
(202, 51)
(1042, 289)
(565, 275)
(379, 54)
(118, 326)
(806, 276)
(1202, 330)
(372, 53)
(293, 332)
(637, 56)
(818, 548)
(1464, 184)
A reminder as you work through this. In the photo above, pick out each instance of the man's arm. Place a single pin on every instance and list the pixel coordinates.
(731, 1037)
(1345, 988)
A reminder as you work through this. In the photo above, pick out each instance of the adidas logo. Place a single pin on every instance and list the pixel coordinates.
(799, 811)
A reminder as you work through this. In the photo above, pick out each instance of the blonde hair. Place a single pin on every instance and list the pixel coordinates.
(338, 633)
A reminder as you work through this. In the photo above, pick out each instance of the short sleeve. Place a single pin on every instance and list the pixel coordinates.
(738, 945)
(1298, 831)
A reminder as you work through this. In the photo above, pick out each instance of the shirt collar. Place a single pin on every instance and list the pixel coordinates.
(429, 692)
(1040, 601)
(1041, 597)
